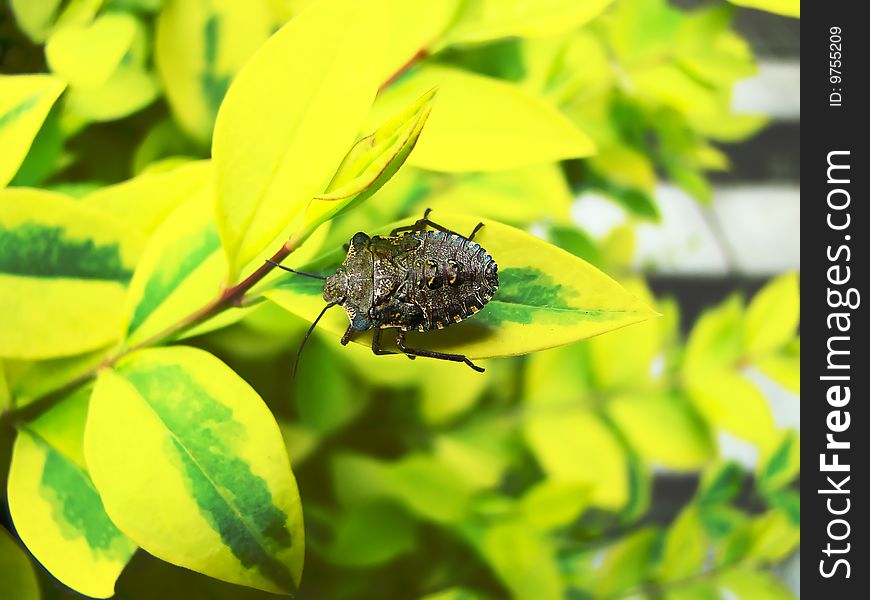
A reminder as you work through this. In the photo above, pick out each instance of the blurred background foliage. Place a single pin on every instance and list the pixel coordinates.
(589, 471)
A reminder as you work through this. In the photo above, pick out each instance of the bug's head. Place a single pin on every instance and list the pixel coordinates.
(335, 287)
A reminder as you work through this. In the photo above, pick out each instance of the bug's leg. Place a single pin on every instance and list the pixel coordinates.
(376, 345)
(400, 342)
(474, 231)
(346, 337)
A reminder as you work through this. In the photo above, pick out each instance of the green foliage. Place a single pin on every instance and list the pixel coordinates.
(171, 146)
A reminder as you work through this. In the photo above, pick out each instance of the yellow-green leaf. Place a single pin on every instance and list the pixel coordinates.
(286, 123)
(663, 429)
(546, 297)
(145, 201)
(191, 465)
(31, 379)
(628, 562)
(128, 90)
(55, 507)
(729, 401)
(716, 339)
(772, 316)
(24, 104)
(86, 55)
(483, 20)
(523, 559)
(784, 368)
(424, 485)
(788, 8)
(517, 196)
(198, 49)
(624, 359)
(482, 124)
(371, 162)
(780, 465)
(64, 269)
(574, 445)
(183, 268)
(551, 504)
(745, 583)
(17, 578)
(685, 547)
(36, 19)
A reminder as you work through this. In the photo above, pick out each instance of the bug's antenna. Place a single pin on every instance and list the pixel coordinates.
(312, 275)
(308, 333)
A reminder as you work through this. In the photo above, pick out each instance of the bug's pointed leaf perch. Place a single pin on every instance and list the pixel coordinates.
(546, 297)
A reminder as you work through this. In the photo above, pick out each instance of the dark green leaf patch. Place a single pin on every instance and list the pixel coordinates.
(22, 107)
(214, 86)
(77, 508)
(190, 253)
(235, 502)
(38, 250)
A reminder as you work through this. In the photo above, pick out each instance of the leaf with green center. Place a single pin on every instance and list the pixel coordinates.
(64, 270)
(546, 297)
(285, 124)
(17, 577)
(55, 507)
(198, 49)
(481, 123)
(628, 562)
(781, 465)
(24, 104)
(371, 162)
(183, 268)
(207, 484)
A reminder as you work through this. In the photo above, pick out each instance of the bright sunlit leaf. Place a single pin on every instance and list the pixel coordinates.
(772, 316)
(482, 124)
(546, 298)
(55, 507)
(286, 123)
(86, 55)
(574, 445)
(64, 270)
(191, 465)
(24, 104)
(483, 20)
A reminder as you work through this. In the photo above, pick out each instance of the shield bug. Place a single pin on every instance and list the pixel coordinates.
(415, 279)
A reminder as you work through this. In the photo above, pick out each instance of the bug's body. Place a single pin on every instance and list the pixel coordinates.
(419, 280)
